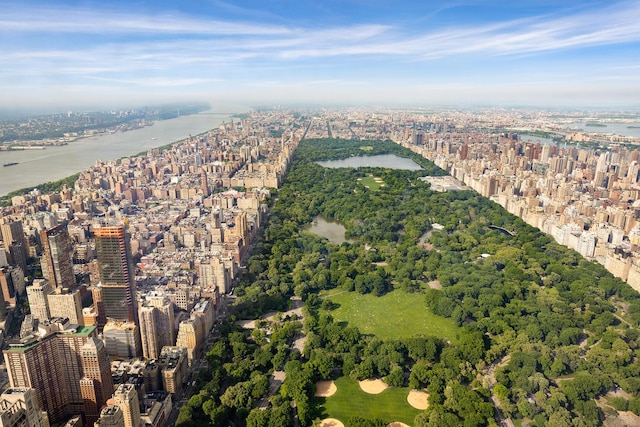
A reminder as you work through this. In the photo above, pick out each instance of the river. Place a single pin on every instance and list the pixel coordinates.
(53, 163)
(623, 129)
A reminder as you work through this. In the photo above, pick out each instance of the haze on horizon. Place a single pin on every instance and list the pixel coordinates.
(544, 53)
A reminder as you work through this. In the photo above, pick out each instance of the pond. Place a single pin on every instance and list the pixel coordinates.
(389, 161)
(329, 229)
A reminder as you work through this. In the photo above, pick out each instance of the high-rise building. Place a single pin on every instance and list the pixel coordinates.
(3, 308)
(122, 339)
(52, 366)
(156, 328)
(97, 385)
(190, 333)
(174, 368)
(13, 233)
(110, 416)
(4, 260)
(66, 304)
(20, 407)
(98, 306)
(116, 273)
(7, 286)
(37, 294)
(56, 261)
(126, 397)
(215, 275)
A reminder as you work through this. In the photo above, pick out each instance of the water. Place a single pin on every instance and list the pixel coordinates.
(39, 166)
(611, 128)
(389, 161)
(331, 230)
(532, 139)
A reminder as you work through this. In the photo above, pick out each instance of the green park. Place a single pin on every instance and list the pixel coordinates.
(492, 326)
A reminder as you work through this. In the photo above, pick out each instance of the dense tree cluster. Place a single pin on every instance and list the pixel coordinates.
(544, 334)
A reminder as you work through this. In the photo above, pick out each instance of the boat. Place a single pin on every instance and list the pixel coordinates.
(10, 164)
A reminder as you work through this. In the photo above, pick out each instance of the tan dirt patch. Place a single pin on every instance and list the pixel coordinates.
(325, 389)
(331, 422)
(435, 284)
(373, 386)
(397, 424)
(418, 399)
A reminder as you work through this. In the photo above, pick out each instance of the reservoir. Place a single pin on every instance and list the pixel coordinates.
(35, 167)
(389, 161)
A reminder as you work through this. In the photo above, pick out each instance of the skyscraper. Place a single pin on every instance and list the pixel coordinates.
(116, 273)
(14, 242)
(126, 397)
(97, 385)
(156, 328)
(52, 366)
(57, 265)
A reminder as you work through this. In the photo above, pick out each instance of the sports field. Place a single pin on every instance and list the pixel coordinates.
(397, 314)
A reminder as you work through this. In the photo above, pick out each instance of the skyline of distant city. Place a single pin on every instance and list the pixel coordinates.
(564, 53)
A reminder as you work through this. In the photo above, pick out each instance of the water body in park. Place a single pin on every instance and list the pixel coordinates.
(32, 167)
(329, 229)
(389, 161)
(532, 139)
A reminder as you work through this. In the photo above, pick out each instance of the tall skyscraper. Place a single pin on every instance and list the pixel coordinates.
(156, 328)
(126, 397)
(13, 240)
(52, 366)
(57, 265)
(116, 273)
(97, 385)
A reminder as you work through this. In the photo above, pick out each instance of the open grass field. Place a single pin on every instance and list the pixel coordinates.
(397, 314)
(371, 182)
(349, 400)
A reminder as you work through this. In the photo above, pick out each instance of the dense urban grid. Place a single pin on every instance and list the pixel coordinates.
(115, 287)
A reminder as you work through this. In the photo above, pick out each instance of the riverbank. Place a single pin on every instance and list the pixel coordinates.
(35, 167)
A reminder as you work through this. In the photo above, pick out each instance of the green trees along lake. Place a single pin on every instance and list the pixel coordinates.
(490, 324)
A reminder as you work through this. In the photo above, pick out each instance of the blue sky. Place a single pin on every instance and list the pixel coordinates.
(556, 53)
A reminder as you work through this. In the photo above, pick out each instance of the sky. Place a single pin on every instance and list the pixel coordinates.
(63, 54)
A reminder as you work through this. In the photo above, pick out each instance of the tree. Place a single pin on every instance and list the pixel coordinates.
(237, 396)
(395, 377)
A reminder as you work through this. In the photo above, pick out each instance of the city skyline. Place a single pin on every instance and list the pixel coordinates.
(565, 53)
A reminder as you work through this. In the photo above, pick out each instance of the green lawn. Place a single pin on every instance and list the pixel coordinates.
(390, 405)
(371, 182)
(397, 314)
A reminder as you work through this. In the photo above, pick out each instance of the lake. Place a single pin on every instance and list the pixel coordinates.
(53, 163)
(329, 229)
(389, 161)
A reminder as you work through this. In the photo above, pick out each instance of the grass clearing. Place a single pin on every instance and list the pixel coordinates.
(397, 314)
(390, 405)
(371, 182)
